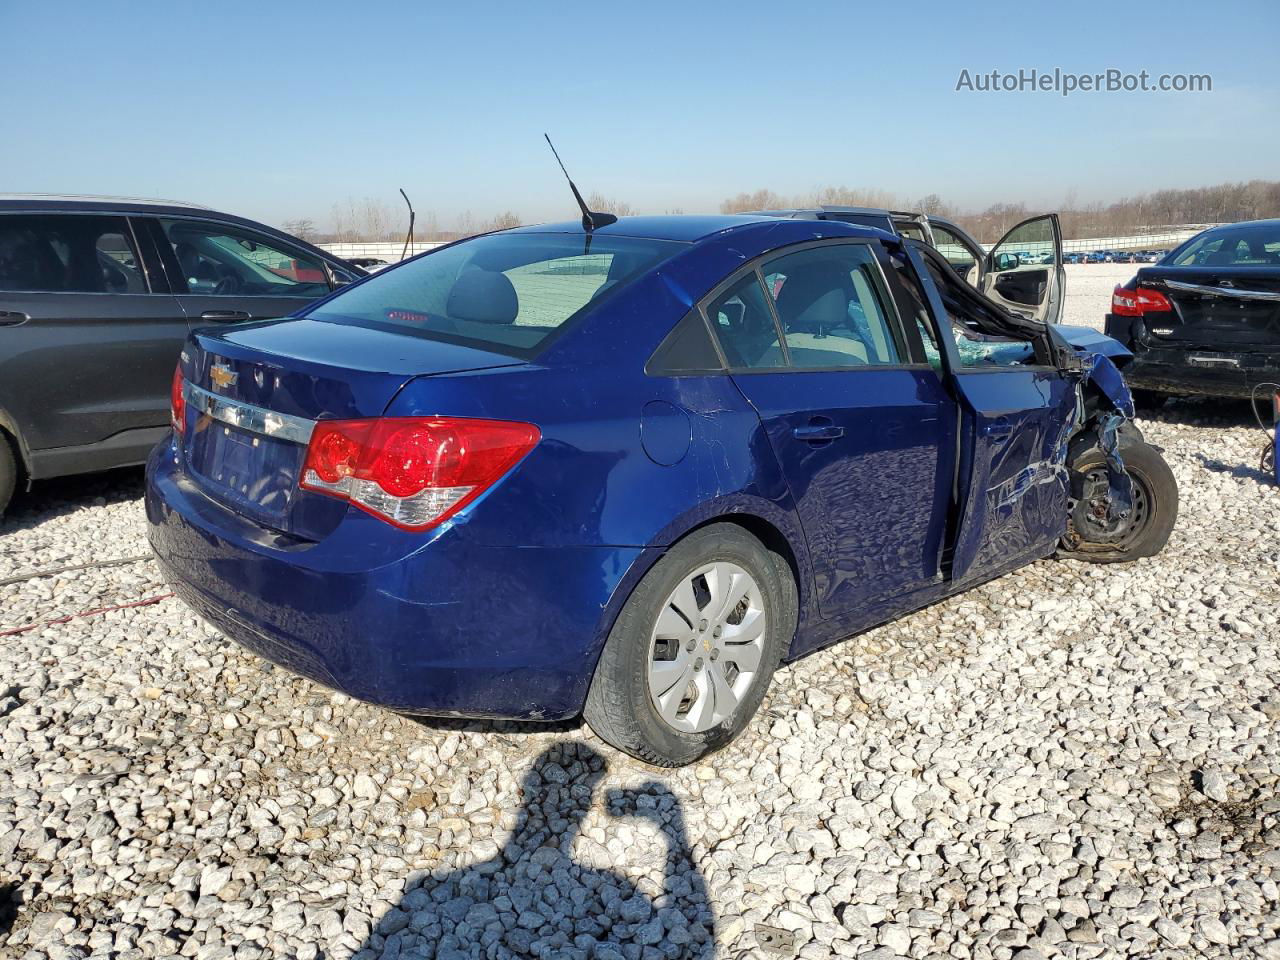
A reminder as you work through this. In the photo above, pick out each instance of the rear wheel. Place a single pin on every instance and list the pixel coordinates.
(1092, 535)
(693, 651)
(8, 472)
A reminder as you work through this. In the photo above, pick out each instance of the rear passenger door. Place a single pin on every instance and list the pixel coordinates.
(858, 421)
(88, 343)
(226, 273)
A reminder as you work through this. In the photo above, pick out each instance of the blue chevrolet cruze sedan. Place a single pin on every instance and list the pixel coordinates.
(624, 471)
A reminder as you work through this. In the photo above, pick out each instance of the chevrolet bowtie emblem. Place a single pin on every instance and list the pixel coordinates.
(222, 376)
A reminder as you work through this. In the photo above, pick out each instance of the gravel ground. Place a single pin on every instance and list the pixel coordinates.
(1073, 761)
(1089, 288)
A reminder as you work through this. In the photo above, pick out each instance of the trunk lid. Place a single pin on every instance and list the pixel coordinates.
(1216, 308)
(254, 393)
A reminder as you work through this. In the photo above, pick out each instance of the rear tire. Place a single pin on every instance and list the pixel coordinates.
(1155, 507)
(679, 678)
(8, 472)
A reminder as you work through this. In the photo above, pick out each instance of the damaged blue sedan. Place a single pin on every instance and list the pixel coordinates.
(625, 469)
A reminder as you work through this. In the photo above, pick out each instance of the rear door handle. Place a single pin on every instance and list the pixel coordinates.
(11, 318)
(226, 316)
(818, 431)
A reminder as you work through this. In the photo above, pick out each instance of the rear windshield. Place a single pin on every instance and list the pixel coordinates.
(1245, 245)
(508, 291)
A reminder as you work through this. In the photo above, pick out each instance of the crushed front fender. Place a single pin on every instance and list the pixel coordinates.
(1104, 375)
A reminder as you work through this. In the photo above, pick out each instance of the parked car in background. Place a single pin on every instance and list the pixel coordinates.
(626, 471)
(368, 264)
(97, 295)
(1206, 318)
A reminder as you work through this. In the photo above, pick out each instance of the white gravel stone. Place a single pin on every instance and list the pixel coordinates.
(1073, 760)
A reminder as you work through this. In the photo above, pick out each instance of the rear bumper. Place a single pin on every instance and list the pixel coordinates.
(435, 625)
(1191, 370)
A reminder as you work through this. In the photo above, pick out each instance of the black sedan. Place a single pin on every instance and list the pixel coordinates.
(1205, 320)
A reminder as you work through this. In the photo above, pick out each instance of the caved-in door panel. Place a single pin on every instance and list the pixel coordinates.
(1014, 502)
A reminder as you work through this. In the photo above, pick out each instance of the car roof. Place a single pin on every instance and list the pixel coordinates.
(686, 228)
(69, 203)
(87, 202)
(683, 227)
(1223, 227)
(831, 208)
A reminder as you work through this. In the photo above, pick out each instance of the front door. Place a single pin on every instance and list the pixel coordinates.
(225, 273)
(1024, 270)
(1017, 415)
(864, 435)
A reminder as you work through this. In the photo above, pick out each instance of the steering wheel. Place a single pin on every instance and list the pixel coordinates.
(229, 284)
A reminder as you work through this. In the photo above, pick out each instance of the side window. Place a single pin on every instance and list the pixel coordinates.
(687, 349)
(744, 325)
(975, 348)
(222, 260)
(120, 270)
(954, 250)
(68, 253)
(832, 306)
(1030, 242)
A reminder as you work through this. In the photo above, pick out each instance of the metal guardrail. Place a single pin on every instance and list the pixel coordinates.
(389, 250)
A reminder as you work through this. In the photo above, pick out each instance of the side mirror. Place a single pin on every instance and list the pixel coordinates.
(340, 277)
(1007, 261)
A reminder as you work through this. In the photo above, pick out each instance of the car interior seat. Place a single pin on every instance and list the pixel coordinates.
(29, 262)
(813, 306)
(483, 296)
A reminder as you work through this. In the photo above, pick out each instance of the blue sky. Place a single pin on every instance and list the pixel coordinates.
(278, 109)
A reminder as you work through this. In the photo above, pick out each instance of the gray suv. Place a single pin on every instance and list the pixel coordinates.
(97, 296)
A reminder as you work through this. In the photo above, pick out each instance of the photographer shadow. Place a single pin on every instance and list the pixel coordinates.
(535, 898)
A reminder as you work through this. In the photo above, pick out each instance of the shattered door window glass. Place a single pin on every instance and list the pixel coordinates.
(975, 348)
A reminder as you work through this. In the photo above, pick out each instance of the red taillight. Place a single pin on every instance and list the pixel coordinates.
(177, 403)
(1134, 303)
(414, 472)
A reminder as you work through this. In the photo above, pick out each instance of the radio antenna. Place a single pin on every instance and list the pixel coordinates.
(590, 220)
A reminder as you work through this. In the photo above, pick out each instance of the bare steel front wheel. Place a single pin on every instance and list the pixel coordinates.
(1093, 533)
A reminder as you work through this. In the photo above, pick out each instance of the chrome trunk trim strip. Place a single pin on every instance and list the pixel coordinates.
(246, 416)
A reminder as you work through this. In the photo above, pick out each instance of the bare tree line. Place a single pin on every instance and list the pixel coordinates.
(1144, 213)
(370, 219)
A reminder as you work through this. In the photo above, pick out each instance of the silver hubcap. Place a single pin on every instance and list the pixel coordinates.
(706, 647)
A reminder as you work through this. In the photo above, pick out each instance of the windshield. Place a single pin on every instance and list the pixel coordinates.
(508, 291)
(1243, 245)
